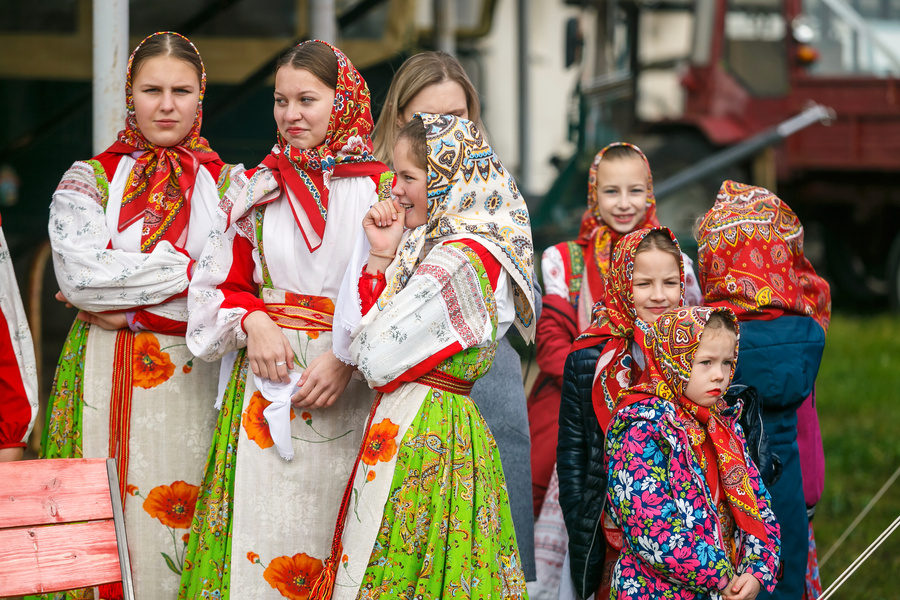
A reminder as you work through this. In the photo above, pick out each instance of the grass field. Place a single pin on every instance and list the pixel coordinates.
(859, 411)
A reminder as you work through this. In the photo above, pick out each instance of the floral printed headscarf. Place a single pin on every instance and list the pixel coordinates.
(470, 195)
(751, 258)
(597, 237)
(670, 345)
(162, 179)
(613, 323)
(346, 152)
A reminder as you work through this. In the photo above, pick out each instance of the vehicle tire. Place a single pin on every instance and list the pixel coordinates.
(893, 265)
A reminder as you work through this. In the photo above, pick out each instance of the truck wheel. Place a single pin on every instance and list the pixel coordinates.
(893, 264)
(854, 281)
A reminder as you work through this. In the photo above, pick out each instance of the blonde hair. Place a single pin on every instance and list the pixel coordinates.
(414, 75)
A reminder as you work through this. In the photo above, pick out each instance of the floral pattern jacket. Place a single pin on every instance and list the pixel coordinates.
(673, 536)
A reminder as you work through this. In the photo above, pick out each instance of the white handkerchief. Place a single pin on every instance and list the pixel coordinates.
(278, 413)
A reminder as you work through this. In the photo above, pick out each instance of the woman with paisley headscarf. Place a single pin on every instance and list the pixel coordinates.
(265, 287)
(620, 200)
(751, 261)
(125, 230)
(426, 511)
(696, 518)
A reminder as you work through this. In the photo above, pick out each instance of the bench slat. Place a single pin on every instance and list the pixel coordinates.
(53, 491)
(61, 557)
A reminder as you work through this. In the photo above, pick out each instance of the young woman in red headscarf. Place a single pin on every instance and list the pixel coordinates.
(751, 261)
(292, 419)
(125, 229)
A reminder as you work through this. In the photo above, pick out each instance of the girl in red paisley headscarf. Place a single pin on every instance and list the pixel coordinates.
(751, 261)
(292, 418)
(126, 228)
(620, 200)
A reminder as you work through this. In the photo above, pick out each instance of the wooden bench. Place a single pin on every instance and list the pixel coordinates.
(61, 526)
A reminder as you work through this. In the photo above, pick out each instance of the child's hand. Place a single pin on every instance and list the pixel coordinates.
(383, 225)
(744, 587)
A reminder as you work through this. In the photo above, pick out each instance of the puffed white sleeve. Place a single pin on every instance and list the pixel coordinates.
(90, 274)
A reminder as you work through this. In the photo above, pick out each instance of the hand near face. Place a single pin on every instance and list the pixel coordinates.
(383, 225)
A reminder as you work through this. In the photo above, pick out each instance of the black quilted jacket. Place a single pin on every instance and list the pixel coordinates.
(580, 459)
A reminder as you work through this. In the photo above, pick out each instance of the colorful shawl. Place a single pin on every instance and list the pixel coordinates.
(751, 258)
(670, 345)
(346, 152)
(613, 324)
(470, 196)
(596, 237)
(161, 181)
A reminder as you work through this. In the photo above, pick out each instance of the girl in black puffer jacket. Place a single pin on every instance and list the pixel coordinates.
(646, 278)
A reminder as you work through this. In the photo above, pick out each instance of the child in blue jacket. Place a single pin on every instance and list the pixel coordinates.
(751, 260)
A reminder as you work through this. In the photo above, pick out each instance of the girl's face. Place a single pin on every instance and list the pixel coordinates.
(410, 186)
(166, 92)
(655, 284)
(622, 188)
(711, 369)
(303, 106)
(445, 98)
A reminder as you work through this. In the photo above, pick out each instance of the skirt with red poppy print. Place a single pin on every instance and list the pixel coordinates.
(171, 425)
(429, 515)
(264, 525)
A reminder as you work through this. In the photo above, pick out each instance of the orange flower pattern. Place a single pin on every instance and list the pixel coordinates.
(172, 504)
(255, 423)
(131, 489)
(380, 443)
(293, 576)
(151, 366)
(253, 557)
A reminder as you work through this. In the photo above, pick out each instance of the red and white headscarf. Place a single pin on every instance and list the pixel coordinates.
(613, 324)
(346, 152)
(751, 258)
(596, 237)
(162, 179)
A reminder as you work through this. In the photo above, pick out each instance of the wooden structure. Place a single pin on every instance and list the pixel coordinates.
(61, 526)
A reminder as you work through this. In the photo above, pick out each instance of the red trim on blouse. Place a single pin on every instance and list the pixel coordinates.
(15, 411)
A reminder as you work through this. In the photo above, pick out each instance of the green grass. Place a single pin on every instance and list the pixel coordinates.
(859, 412)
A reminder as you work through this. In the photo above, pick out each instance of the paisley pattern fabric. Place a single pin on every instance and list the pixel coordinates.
(670, 344)
(161, 183)
(428, 513)
(470, 195)
(752, 261)
(307, 173)
(599, 238)
(613, 324)
(675, 545)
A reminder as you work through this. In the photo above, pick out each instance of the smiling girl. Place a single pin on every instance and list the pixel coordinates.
(266, 287)
(620, 200)
(125, 229)
(426, 512)
(645, 280)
